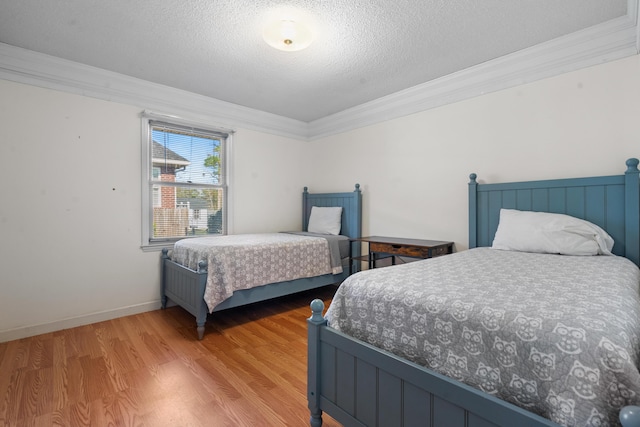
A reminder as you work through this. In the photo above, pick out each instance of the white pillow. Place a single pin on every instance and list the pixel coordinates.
(325, 220)
(551, 233)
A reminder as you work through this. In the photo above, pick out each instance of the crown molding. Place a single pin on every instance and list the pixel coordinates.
(609, 41)
(633, 11)
(37, 69)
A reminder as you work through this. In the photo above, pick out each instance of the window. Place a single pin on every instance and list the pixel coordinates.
(185, 185)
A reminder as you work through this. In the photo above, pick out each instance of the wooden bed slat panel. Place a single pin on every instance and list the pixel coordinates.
(540, 200)
(345, 382)
(389, 399)
(523, 200)
(447, 414)
(596, 212)
(365, 393)
(557, 200)
(328, 364)
(615, 218)
(495, 203)
(575, 202)
(475, 421)
(509, 198)
(416, 405)
(480, 209)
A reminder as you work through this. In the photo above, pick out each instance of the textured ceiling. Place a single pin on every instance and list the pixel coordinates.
(364, 49)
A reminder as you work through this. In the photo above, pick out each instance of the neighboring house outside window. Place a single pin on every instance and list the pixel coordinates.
(186, 185)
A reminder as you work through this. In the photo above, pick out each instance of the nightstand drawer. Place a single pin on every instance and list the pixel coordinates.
(440, 250)
(412, 251)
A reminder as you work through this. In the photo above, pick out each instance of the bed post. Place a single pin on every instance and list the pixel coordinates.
(473, 211)
(630, 416)
(313, 361)
(201, 307)
(163, 296)
(355, 231)
(305, 214)
(632, 210)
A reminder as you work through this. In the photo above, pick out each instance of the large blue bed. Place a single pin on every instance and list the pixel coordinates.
(360, 384)
(186, 287)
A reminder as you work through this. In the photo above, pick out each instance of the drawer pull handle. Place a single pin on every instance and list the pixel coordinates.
(396, 246)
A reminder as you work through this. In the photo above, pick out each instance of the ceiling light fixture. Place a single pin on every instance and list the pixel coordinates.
(287, 35)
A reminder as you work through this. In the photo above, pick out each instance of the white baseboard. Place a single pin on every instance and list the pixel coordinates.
(44, 328)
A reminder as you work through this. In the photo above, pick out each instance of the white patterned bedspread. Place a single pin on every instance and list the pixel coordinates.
(557, 335)
(245, 261)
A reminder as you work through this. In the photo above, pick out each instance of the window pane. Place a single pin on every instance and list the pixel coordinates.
(187, 211)
(187, 157)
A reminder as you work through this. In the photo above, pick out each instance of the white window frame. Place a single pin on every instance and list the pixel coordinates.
(147, 243)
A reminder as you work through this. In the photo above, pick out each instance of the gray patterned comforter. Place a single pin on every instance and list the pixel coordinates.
(556, 335)
(245, 261)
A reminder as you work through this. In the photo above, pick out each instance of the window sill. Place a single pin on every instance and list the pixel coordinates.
(156, 247)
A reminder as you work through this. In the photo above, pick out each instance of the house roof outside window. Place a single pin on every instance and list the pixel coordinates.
(164, 156)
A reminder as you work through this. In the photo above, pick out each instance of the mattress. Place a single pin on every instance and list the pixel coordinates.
(245, 261)
(556, 335)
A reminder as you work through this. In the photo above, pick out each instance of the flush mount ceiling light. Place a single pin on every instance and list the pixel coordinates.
(287, 35)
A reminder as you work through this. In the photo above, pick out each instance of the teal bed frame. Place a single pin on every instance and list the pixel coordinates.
(186, 287)
(361, 385)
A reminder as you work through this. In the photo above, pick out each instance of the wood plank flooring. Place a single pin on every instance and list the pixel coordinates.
(150, 370)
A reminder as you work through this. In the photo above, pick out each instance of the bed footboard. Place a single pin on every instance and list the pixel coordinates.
(186, 288)
(361, 385)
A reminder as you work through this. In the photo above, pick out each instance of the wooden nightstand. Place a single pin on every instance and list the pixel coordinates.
(385, 247)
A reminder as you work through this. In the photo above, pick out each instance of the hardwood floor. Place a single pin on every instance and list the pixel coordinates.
(150, 370)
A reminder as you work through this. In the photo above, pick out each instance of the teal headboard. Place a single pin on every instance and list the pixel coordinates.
(351, 204)
(611, 202)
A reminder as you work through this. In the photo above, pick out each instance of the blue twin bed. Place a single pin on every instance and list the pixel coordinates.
(186, 286)
(572, 382)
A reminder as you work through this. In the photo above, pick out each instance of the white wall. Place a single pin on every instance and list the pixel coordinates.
(70, 210)
(268, 181)
(414, 170)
